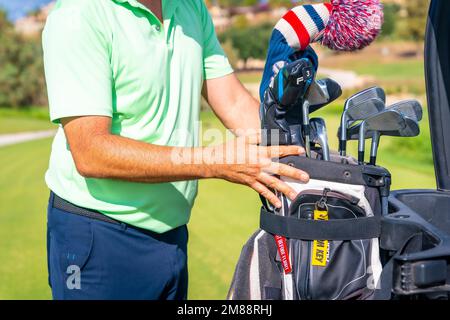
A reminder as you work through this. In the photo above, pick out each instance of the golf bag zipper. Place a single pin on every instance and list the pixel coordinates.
(303, 293)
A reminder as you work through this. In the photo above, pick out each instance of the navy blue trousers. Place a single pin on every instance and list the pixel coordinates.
(92, 259)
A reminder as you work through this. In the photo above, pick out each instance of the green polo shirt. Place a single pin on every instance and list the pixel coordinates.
(114, 58)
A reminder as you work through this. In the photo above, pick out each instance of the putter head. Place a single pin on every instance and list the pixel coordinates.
(323, 92)
(409, 108)
(319, 136)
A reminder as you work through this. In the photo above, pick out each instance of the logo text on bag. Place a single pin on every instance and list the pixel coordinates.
(320, 249)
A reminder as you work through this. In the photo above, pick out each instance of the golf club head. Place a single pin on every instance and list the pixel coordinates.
(412, 129)
(409, 108)
(363, 110)
(369, 93)
(323, 92)
(292, 82)
(319, 136)
(372, 93)
(384, 122)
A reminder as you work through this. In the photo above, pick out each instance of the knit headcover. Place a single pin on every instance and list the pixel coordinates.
(292, 34)
(344, 25)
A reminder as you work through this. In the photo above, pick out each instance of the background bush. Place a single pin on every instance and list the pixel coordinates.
(22, 80)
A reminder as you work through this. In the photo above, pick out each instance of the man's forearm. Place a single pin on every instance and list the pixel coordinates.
(116, 157)
(244, 115)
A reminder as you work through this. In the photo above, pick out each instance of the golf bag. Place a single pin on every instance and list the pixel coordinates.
(323, 244)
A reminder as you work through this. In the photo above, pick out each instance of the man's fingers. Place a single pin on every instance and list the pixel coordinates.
(277, 184)
(282, 151)
(287, 171)
(266, 193)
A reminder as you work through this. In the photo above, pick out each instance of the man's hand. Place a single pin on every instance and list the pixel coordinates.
(248, 164)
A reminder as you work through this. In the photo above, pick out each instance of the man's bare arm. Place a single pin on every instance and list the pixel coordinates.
(99, 154)
(232, 103)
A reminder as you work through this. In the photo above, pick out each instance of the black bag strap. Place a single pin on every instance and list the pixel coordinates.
(303, 229)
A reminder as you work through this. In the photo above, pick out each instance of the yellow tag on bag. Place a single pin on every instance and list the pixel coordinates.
(320, 247)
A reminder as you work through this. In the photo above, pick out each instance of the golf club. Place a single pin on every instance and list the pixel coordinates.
(292, 82)
(319, 136)
(389, 122)
(289, 87)
(323, 92)
(358, 99)
(320, 93)
(409, 108)
(412, 111)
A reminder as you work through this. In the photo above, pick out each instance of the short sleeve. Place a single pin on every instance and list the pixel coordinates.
(215, 62)
(77, 67)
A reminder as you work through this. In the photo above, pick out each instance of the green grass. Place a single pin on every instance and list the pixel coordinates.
(23, 199)
(224, 216)
(30, 119)
(392, 70)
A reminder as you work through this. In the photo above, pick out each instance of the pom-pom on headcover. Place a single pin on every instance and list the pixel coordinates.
(343, 25)
(353, 24)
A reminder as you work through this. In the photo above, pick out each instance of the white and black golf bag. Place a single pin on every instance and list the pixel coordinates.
(322, 245)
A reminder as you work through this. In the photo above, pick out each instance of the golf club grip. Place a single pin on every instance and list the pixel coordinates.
(361, 157)
(342, 147)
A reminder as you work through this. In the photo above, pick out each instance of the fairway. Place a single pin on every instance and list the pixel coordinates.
(224, 216)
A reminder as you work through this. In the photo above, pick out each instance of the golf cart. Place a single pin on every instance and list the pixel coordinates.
(418, 226)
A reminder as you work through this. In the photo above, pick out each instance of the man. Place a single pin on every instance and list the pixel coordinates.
(125, 78)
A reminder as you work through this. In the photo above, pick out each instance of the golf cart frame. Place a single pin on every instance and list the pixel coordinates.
(417, 230)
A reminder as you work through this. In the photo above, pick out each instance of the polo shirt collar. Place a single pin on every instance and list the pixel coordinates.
(169, 6)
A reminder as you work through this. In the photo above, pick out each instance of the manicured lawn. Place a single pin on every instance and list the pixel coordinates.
(23, 199)
(31, 119)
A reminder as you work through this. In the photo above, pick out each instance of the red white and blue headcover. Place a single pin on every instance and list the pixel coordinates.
(303, 25)
(343, 25)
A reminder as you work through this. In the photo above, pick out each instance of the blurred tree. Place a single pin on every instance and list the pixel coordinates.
(391, 11)
(241, 22)
(416, 15)
(249, 42)
(231, 53)
(21, 68)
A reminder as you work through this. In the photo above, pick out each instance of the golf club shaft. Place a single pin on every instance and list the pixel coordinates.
(307, 145)
(343, 134)
(374, 147)
(326, 153)
(306, 127)
(361, 143)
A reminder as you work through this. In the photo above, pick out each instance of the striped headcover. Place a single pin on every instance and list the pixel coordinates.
(304, 24)
(292, 34)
